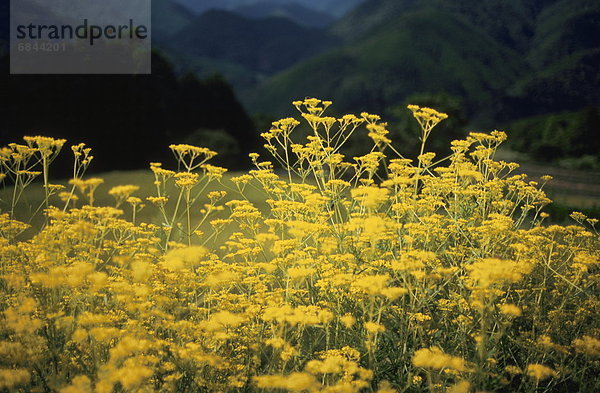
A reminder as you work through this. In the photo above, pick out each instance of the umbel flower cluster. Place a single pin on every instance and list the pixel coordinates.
(376, 273)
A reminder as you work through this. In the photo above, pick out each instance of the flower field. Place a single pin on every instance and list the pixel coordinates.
(377, 273)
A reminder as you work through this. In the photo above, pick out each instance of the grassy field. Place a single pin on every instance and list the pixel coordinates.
(30, 205)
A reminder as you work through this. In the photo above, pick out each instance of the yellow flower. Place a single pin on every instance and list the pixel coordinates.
(540, 372)
(295, 382)
(276, 342)
(104, 334)
(373, 327)
(510, 310)
(330, 365)
(513, 370)
(132, 376)
(223, 278)
(587, 345)
(122, 192)
(183, 258)
(370, 197)
(385, 387)
(11, 378)
(21, 322)
(79, 384)
(141, 270)
(420, 317)
(226, 318)
(490, 271)
(372, 285)
(348, 320)
(460, 387)
(394, 293)
(296, 273)
(374, 228)
(436, 359)
(186, 179)
(427, 117)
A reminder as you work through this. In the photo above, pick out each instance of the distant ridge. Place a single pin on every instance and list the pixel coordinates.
(506, 59)
(336, 8)
(297, 13)
(168, 18)
(266, 45)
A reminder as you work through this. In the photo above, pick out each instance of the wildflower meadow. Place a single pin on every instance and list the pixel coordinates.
(313, 272)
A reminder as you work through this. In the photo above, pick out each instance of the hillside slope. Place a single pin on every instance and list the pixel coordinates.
(425, 50)
(506, 59)
(168, 18)
(565, 58)
(333, 7)
(265, 45)
(295, 12)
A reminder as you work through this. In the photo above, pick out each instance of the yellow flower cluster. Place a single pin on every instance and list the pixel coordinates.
(314, 272)
(434, 358)
(540, 372)
(492, 271)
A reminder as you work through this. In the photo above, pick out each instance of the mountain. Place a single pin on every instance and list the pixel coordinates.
(422, 50)
(511, 22)
(336, 8)
(565, 29)
(297, 13)
(168, 18)
(369, 16)
(565, 57)
(263, 46)
(506, 59)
